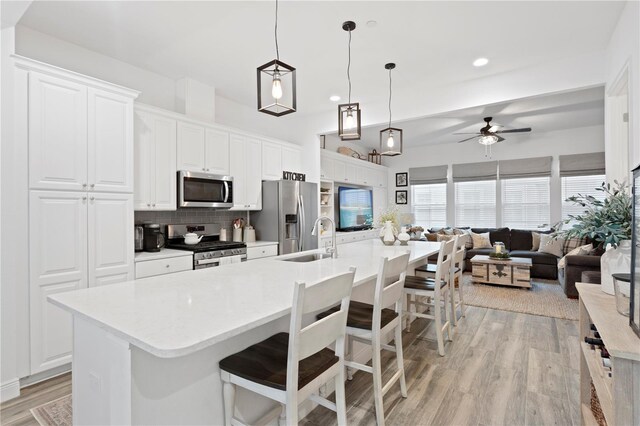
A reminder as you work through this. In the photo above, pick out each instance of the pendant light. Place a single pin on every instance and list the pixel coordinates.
(349, 122)
(391, 137)
(276, 84)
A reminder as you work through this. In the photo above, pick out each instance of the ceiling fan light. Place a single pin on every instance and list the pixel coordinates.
(487, 140)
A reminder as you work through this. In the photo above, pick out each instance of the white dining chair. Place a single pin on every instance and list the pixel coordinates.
(291, 367)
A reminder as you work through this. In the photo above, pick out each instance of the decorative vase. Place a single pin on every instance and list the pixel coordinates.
(387, 234)
(403, 237)
(614, 260)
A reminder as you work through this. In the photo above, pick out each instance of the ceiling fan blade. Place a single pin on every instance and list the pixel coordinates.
(500, 138)
(523, 130)
(466, 133)
(494, 128)
(468, 139)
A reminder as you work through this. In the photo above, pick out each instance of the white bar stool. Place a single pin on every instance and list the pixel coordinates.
(291, 367)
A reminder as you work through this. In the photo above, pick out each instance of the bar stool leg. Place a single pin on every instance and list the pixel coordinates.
(349, 357)
(282, 420)
(447, 314)
(229, 396)
(341, 399)
(437, 312)
(400, 359)
(377, 381)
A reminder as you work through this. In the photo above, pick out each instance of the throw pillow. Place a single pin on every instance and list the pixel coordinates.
(481, 240)
(578, 251)
(572, 243)
(536, 241)
(551, 245)
(442, 237)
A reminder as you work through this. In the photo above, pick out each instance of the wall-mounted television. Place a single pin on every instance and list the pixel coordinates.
(355, 208)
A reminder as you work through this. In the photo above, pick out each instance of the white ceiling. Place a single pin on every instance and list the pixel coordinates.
(433, 43)
(543, 114)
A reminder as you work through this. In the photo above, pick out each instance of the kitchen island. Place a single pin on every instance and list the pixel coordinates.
(147, 351)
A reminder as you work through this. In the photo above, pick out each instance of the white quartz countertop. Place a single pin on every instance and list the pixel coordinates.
(262, 243)
(143, 256)
(177, 314)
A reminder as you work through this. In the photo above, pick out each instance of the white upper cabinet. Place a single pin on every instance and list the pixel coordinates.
(202, 149)
(155, 162)
(381, 177)
(80, 138)
(57, 133)
(110, 142)
(343, 169)
(271, 161)
(340, 171)
(191, 147)
(291, 159)
(364, 176)
(216, 151)
(246, 169)
(327, 168)
(110, 233)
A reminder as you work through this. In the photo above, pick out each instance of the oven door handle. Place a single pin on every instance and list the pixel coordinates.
(208, 261)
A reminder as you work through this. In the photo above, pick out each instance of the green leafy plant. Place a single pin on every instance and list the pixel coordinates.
(605, 221)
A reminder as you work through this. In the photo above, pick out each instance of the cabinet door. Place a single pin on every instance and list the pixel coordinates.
(110, 142)
(57, 263)
(271, 161)
(327, 166)
(382, 177)
(110, 247)
(191, 148)
(350, 174)
(216, 150)
(380, 202)
(363, 176)
(163, 164)
(291, 159)
(237, 169)
(253, 174)
(57, 133)
(339, 171)
(143, 152)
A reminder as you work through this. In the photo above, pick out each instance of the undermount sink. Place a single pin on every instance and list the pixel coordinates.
(308, 257)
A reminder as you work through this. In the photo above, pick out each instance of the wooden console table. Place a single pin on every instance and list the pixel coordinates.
(619, 394)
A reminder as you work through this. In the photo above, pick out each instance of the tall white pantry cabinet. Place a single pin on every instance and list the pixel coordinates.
(80, 159)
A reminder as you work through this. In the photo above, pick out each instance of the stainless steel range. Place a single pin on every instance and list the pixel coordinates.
(210, 251)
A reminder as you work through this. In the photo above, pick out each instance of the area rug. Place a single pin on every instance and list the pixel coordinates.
(544, 298)
(54, 413)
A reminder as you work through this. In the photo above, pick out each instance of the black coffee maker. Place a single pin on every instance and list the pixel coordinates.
(153, 237)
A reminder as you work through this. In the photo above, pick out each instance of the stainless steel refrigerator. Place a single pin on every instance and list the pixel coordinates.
(289, 209)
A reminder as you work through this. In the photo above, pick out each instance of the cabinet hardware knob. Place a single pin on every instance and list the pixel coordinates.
(84, 198)
(153, 205)
(167, 266)
(84, 185)
(92, 185)
(92, 198)
(148, 205)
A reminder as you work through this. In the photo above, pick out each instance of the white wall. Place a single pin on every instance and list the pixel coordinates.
(623, 52)
(562, 142)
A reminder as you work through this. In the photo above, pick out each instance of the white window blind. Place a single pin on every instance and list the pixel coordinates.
(476, 203)
(525, 203)
(429, 205)
(574, 185)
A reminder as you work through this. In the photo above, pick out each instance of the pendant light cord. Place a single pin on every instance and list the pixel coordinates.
(349, 67)
(390, 93)
(275, 31)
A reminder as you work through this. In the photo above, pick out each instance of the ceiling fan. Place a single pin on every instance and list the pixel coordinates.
(490, 134)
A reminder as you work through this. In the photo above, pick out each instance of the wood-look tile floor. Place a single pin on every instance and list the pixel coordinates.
(503, 368)
(16, 412)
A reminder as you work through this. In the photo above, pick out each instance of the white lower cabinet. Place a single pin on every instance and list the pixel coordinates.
(262, 251)
(76, 240)
(150, 268)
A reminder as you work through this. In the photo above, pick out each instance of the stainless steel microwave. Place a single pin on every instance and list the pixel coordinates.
(204, 190)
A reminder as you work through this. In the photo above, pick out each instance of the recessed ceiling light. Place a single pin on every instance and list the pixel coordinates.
(372, 23)
(334, 98)
(480, 62)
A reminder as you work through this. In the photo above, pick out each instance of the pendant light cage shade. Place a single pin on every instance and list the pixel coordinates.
(276, 88)
(390, 141)
(349, 122)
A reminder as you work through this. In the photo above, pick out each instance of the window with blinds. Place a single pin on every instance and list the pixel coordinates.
(574, 185)
(525, 203)
(476, 203)
(429, 205)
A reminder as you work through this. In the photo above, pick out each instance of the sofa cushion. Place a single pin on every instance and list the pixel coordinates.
(481, 240)
(496, 234)
(521, 239)
(482, 251)
(551, 245)
(537, 257)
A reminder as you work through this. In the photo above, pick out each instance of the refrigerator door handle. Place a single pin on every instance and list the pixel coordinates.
(303, 225)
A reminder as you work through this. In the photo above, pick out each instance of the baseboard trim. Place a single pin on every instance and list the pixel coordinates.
(9, 390)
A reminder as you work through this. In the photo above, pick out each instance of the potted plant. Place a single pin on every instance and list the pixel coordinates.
(416, 232)
(388, 222)
(607, 223)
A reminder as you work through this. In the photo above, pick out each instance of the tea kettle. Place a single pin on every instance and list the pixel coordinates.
(192, 238)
